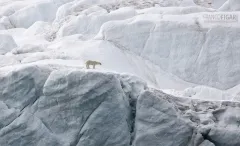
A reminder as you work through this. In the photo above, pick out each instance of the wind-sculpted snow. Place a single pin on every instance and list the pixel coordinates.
(58, 105)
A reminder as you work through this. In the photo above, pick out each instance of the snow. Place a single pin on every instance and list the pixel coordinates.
(144, 46)
(159, 40)
(39, 12)
(175, 10)
(141, 38)
(5, 23)
(37, 80)
(218, 3)
(7, 43)
(61, 107)
(28, 48)
(90, 25)
(7, 60)
(230, 5)
(203, 92)
(191, 121)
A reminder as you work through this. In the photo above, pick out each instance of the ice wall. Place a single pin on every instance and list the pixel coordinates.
(52, 104)
(181, 45)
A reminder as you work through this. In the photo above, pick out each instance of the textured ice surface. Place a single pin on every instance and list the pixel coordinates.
(167, 43)
(202, 56)
(48, 98)
(52, 104)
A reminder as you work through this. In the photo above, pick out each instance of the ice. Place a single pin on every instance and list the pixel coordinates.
(89, 26)
(204, 92)
(28, 48)
(181, 121)
(230, 5)
(168, 77)
(42, 98)
(7, 43)
(206, 143)
(61, 107)
(160, 41)
(39, 12)
(5, 23)
(8, 60)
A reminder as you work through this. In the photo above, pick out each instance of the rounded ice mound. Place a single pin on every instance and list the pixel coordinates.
(95, 10)
(90, 25)
(25, 17)
(74, 8)
(69, 11)
(63, 11)
(7, 43)
(11, 8)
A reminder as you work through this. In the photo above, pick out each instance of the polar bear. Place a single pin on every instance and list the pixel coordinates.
(93, 63)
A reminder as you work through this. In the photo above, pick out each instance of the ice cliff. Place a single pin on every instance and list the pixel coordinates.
(57, 105)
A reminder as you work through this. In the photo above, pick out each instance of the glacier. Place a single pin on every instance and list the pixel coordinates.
(52, 104)
(168, 77)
